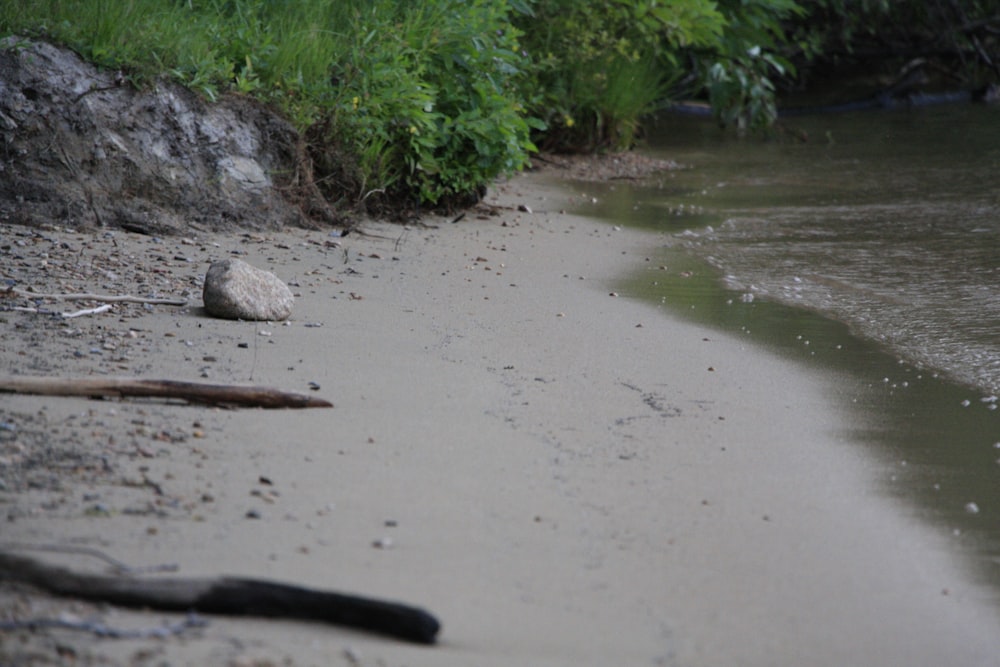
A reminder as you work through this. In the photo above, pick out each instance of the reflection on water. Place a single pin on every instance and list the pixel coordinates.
(872, 250)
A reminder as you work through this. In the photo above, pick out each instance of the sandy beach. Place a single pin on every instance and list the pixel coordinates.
(563, 475)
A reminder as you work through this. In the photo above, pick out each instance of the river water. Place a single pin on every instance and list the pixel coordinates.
(870, 251)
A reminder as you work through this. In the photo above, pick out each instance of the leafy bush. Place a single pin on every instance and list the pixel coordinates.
(426, 99)
(960, 40)
(739, 72)
(600, 66)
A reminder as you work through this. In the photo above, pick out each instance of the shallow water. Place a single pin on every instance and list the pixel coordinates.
(871, 251)
(889, 222)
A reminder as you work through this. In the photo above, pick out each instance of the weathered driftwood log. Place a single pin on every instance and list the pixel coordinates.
(229, 596)
(192, 392)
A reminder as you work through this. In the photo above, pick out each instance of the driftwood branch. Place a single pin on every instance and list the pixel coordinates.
(192, 392)
(108, 298)
(229, 596)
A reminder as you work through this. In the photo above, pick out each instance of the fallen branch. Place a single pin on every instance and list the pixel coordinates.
(229, 596)
(192, 392)
(126, 298)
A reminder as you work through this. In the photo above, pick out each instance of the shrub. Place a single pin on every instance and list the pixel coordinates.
(738, 73)
(425, 99)
(958, 41)
(600, 66)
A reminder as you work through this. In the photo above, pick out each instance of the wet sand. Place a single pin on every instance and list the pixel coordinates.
(562, 475)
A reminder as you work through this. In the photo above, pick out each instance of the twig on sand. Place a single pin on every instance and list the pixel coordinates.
(227, 595)
(88, 311)
(107, 298)
(45, 311)
(192, 392)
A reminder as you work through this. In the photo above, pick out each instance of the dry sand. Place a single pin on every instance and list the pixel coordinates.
(563, 476)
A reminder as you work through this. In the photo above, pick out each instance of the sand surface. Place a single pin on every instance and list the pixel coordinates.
(564, 476)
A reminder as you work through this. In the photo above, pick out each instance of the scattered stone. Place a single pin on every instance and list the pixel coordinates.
(235, 290)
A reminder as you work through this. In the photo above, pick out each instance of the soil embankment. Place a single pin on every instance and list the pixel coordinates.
(83, 148)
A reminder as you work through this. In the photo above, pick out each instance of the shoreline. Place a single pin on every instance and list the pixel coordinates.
(563, 476)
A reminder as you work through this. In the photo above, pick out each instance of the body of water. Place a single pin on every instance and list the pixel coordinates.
(889, 222)
(870, 250)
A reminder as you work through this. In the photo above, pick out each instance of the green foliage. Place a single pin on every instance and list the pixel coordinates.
(836, 25)
(741, 91)
(403, 98)
(600, 66)
(425, 93)
(960, 37)
(739, 73)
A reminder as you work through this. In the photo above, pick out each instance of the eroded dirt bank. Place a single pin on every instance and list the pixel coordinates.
(81, 148)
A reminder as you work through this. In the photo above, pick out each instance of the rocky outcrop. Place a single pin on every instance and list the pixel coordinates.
(81, 147)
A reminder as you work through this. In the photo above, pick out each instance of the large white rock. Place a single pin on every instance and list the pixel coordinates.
(234, 290)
